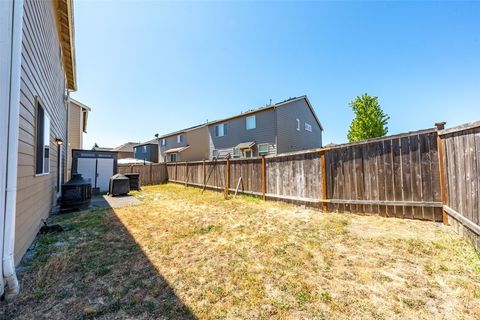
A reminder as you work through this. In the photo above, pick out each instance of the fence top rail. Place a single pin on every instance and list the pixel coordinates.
(462, 127)
(138, 165)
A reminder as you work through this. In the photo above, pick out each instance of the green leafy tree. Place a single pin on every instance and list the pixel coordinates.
(370, 121)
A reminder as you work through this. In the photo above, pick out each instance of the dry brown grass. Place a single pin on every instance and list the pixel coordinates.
(184, 253)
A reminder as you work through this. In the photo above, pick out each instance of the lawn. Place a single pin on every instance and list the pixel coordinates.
(184, 253)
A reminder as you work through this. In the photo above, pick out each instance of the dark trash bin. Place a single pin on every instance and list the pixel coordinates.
(134, 179)
(119, 185)
(76, 193)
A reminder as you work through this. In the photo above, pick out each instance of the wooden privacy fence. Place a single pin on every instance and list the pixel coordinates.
(155, 173)
(460, 179)
(391, 176)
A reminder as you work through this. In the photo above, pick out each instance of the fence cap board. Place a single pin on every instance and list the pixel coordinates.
(463, 127)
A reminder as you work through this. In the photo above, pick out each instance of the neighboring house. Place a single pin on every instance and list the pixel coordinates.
(185, 145)
(125, 150)
(77, 126)
(287, 126)
(37, 72)
(147, 152)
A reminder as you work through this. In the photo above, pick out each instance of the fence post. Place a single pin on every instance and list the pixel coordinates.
(323, 166)
(227, 177)
(176, 173)
(151, 174)
(204, 175)
(264, 179)
(186, 173)
(441, 168)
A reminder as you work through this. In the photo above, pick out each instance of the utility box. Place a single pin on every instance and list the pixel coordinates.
(134, 179)
(119, 185)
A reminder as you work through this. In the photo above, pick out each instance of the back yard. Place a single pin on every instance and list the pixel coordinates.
(187, 254)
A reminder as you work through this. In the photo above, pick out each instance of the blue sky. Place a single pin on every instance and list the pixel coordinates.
(155, 67)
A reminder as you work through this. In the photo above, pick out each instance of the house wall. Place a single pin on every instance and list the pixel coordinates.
(197, 139)
(75, 133)
(149, 153)
(238, 133)
(125, 155)
(171, 143)
(288, 138)
(42, 76)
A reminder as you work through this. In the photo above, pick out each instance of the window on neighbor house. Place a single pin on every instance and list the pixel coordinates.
(144, 149)
(236, 152)
(173, 157)
(221, 130)
(251, 122)
(263, 149)
(163, 142)
(179, 138)
(215, 153)
(298, 124)
(42, 147)
(308, 127)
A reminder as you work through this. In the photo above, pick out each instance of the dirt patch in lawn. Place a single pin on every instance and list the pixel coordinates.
(187, 254)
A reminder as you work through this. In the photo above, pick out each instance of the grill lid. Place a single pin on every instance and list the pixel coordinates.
(119, 176)
(76, 180)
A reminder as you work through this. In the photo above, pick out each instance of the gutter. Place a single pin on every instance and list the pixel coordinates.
(12, 286)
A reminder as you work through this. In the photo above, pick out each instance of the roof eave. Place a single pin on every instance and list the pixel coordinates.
(66, 34)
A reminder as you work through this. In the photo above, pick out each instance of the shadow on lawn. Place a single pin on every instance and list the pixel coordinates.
(94, 269)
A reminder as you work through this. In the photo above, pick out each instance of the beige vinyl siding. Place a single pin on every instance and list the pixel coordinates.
(42, 76)
(75, 124)
(197, 140)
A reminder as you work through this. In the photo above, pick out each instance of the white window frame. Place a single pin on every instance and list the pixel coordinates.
(254, 122)
(180, 138)
(215, 153)
(46, 150)
(163, 142)
(261, 153)
(308, 127)
(144, 149)
(298, 124)
(220, 130)
(237, 154)
(173, 155)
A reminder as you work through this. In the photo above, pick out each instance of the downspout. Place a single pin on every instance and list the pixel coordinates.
(67, 143)
(12, 285)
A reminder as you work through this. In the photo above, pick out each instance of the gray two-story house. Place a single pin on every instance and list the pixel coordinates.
(185, 145)
(287, 126)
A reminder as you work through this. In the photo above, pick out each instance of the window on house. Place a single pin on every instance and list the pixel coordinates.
(251, 122)
(144, 149)
(236, 152)
(263, 149)
(179, 138)
(221, 130)
(308, 127)
(215, 153)
(173, 157)
(42, 152)
(163, 142)
(298, 124)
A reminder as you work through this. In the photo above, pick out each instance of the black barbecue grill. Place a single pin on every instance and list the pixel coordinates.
(119, 185)
(76, 193)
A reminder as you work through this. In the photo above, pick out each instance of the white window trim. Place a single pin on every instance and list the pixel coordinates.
(308, 127)
(254, 122)
(263, 153)
(179, 138)
(45, 115)
(221, 125)
(213, 153)
(298, 124)
(163, 142)
(236, 155)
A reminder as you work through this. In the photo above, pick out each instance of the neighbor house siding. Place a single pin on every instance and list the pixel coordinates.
(289, 139)
(42, 76)
(171, 143)
(197, 140)
(237, 133)
(75, 132)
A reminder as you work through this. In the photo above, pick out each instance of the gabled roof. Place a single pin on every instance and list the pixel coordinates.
(65, 28)
(272, 106)
(126, 147)
(179, 149)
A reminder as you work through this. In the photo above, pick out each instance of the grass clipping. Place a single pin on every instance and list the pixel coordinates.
(186, 254)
